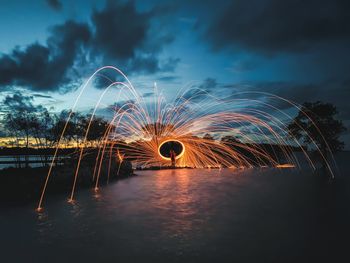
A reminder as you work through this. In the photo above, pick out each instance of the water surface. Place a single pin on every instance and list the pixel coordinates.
(253, 215)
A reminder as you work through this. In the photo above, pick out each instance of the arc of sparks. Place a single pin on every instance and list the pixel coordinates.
(138, 131)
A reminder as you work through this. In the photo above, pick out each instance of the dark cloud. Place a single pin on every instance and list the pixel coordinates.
(108, 112)
(209, 84)
(168, 78)
(119, 29)
(118, 35)
(105, 78)
(288, 90)
(19, 103)
(150, 64)
(37, 95)
(45, 67)
(272, 25)
(169, 65)
(131, 38)
(55, 4)
(144, 64)
(336, 92)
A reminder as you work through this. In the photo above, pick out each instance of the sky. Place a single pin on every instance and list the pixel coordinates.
(295, 49)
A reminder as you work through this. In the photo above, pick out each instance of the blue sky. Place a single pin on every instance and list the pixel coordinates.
(295, 49)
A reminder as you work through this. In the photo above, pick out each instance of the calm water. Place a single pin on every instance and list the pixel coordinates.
(188, 216)
(7, 161)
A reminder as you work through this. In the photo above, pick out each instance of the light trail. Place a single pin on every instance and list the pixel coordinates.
(138, 130)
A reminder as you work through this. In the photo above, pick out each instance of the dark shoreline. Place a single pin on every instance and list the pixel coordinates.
(22, 186)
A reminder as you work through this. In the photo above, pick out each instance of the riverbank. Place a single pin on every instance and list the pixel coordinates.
(20, 186)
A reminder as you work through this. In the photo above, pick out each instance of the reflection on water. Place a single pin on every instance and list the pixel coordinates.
(184, 216)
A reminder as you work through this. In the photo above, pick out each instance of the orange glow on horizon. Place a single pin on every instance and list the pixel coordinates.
(286, 165)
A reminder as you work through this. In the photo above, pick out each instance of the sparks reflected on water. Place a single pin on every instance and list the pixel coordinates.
(287, 165)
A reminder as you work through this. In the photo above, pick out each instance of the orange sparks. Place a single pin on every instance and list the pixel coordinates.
(235, 133)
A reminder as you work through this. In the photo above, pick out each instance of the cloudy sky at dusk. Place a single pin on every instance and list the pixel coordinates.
(296, 49)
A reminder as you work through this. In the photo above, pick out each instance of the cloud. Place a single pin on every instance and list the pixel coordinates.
(131, 38)
(55, 4)
(105, 78)
(144, 64)
(119, 29)
(280, 26)
(288, 90)
(45, 67)
(209, 84)
(168, 78)
(37, 95)
(335, 92)
(19, 103)
(117, 35)
(169, 65)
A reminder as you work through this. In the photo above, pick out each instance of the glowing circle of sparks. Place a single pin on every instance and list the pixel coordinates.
(171, 140)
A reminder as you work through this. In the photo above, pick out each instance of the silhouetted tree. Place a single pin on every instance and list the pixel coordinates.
(57, 127)
(207, 136)
(47, 121)
(41, 131)
(20, 117)
(76, 127)
(97, 129)
(316, 122)
(230, 140)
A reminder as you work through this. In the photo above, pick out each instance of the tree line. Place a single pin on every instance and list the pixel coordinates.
(43, 129)
(36, 126)
(31, 125)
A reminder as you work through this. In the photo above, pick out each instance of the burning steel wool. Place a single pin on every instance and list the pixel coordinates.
(194, 130)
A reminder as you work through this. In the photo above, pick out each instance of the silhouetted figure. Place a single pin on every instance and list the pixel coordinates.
(172, 157)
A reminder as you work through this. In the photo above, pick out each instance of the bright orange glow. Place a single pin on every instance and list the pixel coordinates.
(168, 158)
(287, 165)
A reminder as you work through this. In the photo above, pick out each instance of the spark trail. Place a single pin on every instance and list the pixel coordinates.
(212, 132)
